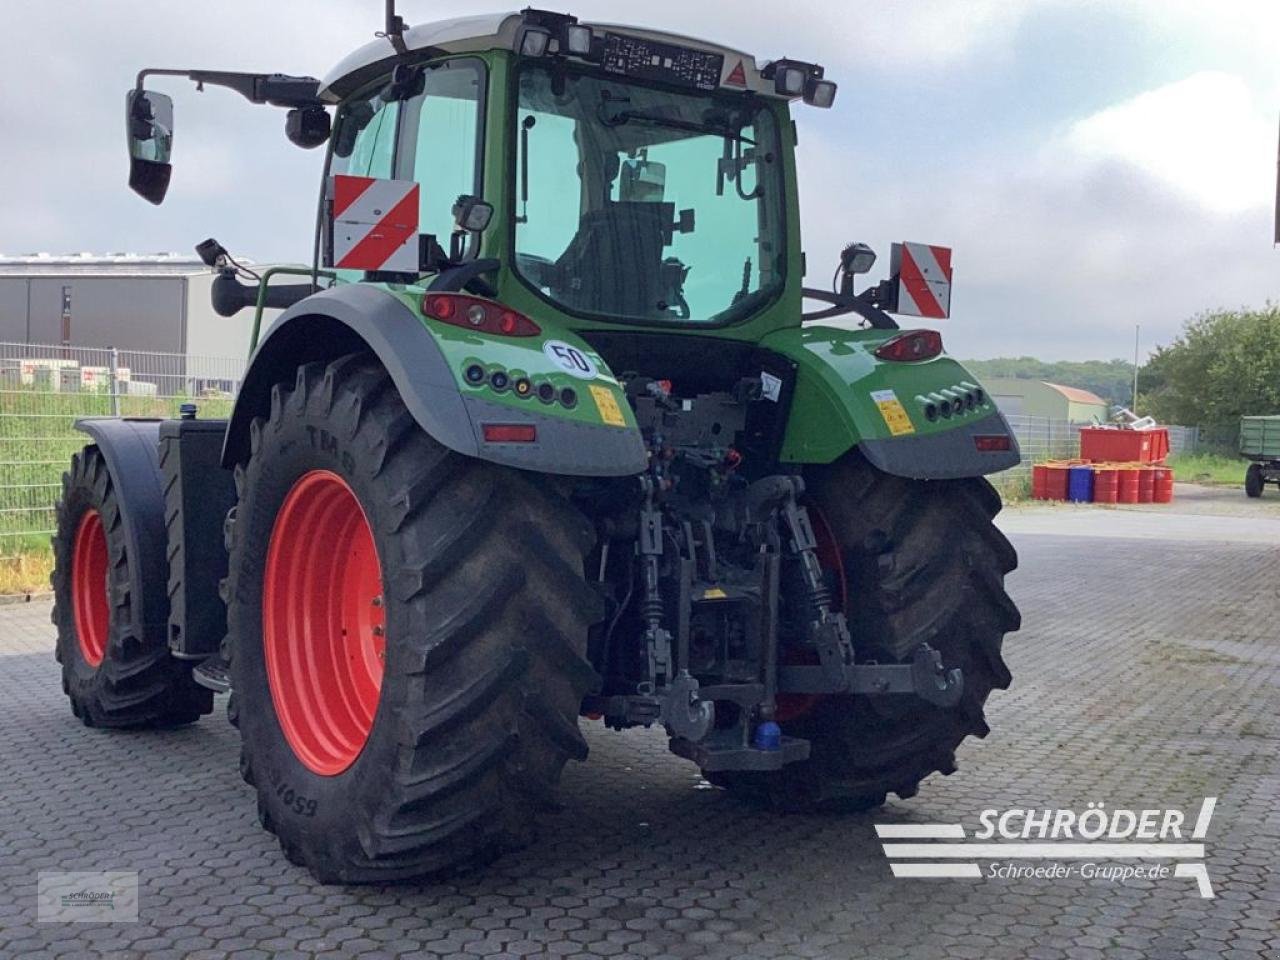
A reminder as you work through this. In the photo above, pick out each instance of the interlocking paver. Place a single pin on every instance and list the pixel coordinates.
(1147, 674)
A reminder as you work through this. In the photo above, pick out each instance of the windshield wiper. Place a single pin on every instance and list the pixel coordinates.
(658, 120)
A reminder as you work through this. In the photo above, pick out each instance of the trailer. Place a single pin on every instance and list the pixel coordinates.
(1260, 442)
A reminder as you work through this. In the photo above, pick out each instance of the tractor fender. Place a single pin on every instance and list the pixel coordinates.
(353, 317)
(131, 449)
(846, 397)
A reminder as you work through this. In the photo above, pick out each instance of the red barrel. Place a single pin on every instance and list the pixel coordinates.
(1146, 484)
(1056, 478)
(1040, 481)
(1106, 484)
(1162, 490)
(1127, 485)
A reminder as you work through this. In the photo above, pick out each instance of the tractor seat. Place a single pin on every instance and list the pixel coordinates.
(613, 264)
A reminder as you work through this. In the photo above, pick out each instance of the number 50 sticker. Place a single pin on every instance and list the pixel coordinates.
(570, 359)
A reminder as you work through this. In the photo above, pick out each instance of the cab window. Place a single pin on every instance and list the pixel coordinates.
(440, 142)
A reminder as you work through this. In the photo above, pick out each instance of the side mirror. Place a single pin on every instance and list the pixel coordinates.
(149, 130)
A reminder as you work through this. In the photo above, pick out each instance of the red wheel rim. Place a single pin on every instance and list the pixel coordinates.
(792, 705)
(323, 623)
(89, 601)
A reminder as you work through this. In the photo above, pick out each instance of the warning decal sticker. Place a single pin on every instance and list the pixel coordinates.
(894, 413)
(607, 404)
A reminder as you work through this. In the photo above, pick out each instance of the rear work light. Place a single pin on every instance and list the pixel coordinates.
(475, 313)
(509, 432)
(992, 443)
(911, 345)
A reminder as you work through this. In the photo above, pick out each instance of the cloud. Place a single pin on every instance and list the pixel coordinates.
(1068, 228)
(1205, 136)
(1061, 249)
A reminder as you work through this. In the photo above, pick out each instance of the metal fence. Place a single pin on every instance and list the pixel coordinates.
(45, 389)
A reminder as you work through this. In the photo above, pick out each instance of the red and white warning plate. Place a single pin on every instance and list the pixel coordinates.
(923, 275)
(375, 223)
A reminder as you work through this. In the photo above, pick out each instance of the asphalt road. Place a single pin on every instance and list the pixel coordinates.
(1147, 675)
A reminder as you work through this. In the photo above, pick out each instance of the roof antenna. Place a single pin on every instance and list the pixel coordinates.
(395, 29)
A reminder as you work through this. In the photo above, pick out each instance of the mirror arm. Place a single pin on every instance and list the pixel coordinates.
(276, 89)
(864, 308)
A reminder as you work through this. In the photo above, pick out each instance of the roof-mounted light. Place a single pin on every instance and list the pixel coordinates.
(796, 78)
(576, 40)
(820, 93)
(534, 41)
(561, 34)
(790, 81)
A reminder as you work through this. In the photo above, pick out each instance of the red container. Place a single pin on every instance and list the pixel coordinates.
(1040, 481)
(1106, 484)
(1162, 491)
(1146, 484)
(1127, 485)
(1056, 477)
(1138, 446)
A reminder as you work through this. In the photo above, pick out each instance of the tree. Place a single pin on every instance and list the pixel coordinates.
(1225, 364)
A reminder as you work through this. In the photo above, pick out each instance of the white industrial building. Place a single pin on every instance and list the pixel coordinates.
(152, 303)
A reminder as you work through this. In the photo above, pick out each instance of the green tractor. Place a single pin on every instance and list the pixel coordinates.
(543, 434)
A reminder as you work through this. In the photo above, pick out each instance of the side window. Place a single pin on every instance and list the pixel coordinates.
(364, 143)
(442, 136)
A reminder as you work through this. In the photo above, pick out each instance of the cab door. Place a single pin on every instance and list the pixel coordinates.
(425, 126)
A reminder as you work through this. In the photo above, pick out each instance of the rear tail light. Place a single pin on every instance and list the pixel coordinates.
(509, 432)
(992, 443)
(475, 313)
(911, 345)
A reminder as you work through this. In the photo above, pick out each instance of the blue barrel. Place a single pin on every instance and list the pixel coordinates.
(1080, 484)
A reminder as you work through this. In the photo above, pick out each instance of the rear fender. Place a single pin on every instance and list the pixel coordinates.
(131, 450)
(846, 397)
(426, 360)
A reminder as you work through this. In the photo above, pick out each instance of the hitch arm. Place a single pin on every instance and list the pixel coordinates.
(924, 676)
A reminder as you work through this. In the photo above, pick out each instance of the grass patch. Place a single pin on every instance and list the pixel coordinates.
(37, 438)
(1209, 468)
(1014, 485)
(26, 572)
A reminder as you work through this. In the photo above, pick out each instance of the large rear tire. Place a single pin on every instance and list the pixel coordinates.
(456, 667)
(922, 563)
(116, 669)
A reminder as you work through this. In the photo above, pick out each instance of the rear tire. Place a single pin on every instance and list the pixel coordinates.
(924, 564)
(1254, 481)
(114, 673)
(486, 616)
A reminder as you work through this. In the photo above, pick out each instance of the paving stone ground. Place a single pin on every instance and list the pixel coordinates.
(1147, 674)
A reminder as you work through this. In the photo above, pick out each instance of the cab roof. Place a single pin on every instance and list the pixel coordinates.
(500, 31)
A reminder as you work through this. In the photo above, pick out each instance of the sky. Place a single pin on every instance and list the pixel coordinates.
(1094, 165)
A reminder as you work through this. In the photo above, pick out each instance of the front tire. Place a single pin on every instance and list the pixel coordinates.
(475, 645)
(922, 562)
(116, 669)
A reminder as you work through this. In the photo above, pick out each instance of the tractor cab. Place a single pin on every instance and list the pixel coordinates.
(621, 175)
